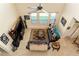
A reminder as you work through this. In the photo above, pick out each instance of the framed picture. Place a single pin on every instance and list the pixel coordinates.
(4, 38)
(26, 17)
(63, 21)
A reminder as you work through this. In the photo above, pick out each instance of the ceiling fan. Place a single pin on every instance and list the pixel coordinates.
(37, 8)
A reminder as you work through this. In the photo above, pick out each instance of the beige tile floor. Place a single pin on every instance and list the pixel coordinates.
(67, 48)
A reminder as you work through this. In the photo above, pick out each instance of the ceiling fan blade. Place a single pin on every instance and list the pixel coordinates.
(44, 10)
(32, 11)
(31, 7)
(39, 4)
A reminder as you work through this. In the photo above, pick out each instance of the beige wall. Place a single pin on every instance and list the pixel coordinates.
(52, 7)
(8, 16)
(70, 11)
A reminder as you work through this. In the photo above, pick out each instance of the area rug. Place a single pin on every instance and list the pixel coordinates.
(38, 40)
(38, 34)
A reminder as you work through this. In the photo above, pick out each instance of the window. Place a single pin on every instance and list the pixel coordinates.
(34, 18)
(52, 17)
(42, 18)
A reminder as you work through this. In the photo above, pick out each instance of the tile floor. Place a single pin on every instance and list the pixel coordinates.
(66, 49)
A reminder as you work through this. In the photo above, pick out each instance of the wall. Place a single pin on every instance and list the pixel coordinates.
(8, 16)
(23, 9)
(70, 11)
